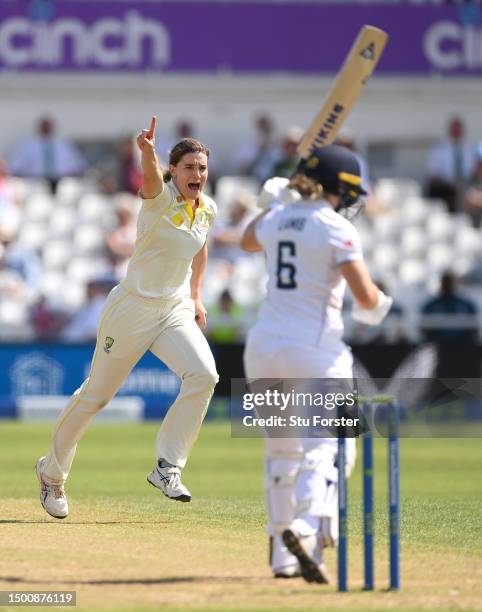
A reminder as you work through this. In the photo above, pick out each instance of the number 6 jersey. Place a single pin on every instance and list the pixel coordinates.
(304, 245)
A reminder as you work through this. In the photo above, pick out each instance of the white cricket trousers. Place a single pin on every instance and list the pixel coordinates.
(289, 488)
(168, 329)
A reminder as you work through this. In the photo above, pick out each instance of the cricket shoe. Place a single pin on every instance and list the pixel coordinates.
(300, 547)
(167, 478)
(287, 572)
(52, 496)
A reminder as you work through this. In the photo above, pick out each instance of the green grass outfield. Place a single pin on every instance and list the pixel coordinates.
(124, 546)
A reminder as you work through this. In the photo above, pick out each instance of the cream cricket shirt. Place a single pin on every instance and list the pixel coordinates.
(168, 237)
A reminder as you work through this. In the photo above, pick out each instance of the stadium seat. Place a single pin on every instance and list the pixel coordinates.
(439, 257)
(70, 190)
(81, 269)
(385, 256)
(412, 272)
(414, 211)
(38, 206)
(413, 242)
(230, 187)
(393, 192)
(52, 284)
(56, 254)
(88, 238)
(33, 235)
(468, 241)
(439, 226)
(94, 207)
(386, 226)
(248, 281)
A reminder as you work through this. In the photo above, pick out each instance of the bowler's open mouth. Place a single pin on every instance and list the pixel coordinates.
(194, 186)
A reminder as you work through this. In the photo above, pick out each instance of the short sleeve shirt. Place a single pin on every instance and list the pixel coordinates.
(305, 243)
(169, 235)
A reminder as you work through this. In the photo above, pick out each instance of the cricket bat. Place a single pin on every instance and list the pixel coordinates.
(358, 66)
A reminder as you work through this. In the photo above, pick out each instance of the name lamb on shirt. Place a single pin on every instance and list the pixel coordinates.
(294, 223)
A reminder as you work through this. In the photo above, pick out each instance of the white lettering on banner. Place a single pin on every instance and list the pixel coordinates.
(107, 42)
(150, 380)
(147, 381)
(463, 46)
(11, 31)
(106, 56)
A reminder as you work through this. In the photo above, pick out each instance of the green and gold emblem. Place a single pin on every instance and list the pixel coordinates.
(108, 344)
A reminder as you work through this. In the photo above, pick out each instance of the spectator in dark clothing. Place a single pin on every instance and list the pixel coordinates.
(473, 194)
(130, 178)
(257, 156)
(449, 318)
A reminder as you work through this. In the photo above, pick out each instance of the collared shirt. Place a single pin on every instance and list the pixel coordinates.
(169, 235)
(305, 243)
(451, 162)
(47, 158)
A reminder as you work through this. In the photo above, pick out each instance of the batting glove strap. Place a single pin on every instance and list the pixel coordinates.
(275, 191)
(374, 316)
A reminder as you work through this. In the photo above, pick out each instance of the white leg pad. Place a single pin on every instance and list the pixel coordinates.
(280, 476)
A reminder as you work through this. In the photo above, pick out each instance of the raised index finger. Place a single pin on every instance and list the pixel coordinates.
(152, 129)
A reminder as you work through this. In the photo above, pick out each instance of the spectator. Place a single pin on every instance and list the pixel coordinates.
(17, 258)
(227, 235)
(257, 157)
(120, 241)
(449, 318)
(46, 320)
(226, 321)
(450, 166)
(288, 157)
(47, 156)
(473, 194)
(9, 203)
(19, 279)
(130, 170)
(84, 324)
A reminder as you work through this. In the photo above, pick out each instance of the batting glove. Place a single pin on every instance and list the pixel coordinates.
(374, 316)
(275, 191)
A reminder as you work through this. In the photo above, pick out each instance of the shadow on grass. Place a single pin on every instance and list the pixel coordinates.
(137, 581)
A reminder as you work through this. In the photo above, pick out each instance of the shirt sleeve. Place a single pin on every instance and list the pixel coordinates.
(261, 228)
(162, 201)
(346, 244)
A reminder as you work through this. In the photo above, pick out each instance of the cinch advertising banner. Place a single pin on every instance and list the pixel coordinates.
(219, 37)
(33, 370)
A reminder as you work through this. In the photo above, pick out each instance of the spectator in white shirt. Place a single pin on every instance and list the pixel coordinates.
(47, 156)
(450, 166)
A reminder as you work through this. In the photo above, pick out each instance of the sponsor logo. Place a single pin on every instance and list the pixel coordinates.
(369, 52)
(451, 46)
(128, 42)
(203, 221)
(108, 344)
(36, 374)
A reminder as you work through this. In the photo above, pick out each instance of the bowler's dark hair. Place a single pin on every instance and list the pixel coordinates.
(184, 146)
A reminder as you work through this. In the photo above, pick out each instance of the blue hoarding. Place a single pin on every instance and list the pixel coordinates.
(59, 369)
